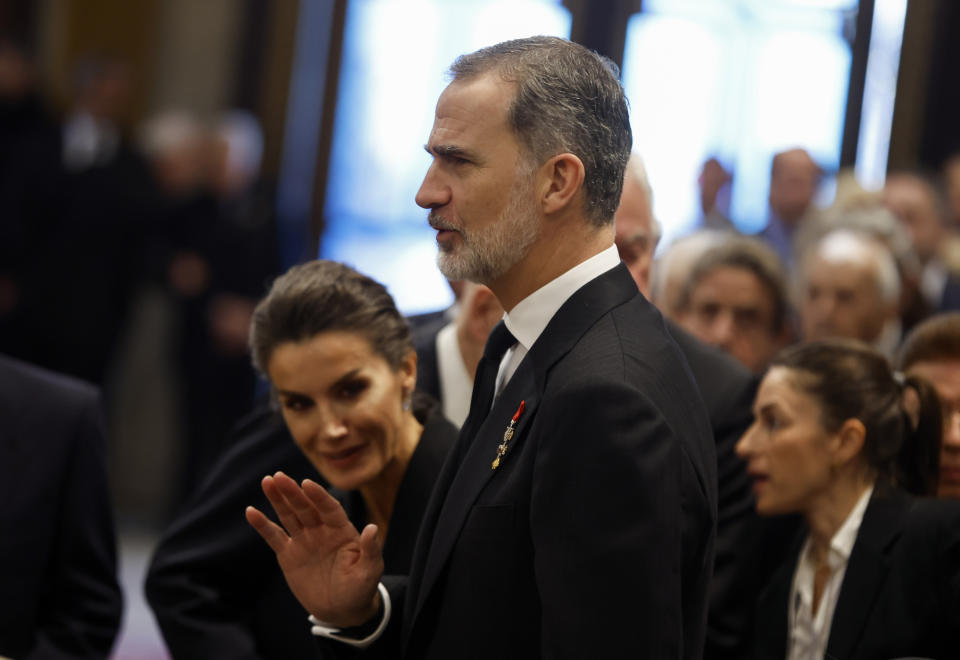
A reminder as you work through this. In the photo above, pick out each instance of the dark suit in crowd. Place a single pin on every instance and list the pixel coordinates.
(424, 336)
(728, 389)
(900, 595)
(594, 536)
(59, 595)
(215, 587)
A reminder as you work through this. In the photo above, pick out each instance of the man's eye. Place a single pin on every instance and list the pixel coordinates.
(708, 311)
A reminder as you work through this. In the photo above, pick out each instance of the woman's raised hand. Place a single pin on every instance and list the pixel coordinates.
(331, 569)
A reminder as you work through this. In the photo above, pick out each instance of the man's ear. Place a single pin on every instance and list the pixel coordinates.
(561, 180)
(483, 313)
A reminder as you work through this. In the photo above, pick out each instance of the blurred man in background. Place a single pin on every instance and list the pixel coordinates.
(849, 286)
(59, 595)
(932, 351)
(735, 298)
(794, 181)
(918, 205)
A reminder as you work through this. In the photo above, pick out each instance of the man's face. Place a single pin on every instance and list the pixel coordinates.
(793, 184)
(944, 375)
(731, 308)
(951, 176)
(842, 300)
(478, 188)
(634, 233)
(913, 203)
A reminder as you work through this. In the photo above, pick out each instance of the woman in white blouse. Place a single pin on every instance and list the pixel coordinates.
(877, 572)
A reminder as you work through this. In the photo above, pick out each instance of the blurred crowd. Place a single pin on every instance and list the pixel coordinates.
(93, 214)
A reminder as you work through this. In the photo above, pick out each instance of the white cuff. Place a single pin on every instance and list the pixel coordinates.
(323, 629)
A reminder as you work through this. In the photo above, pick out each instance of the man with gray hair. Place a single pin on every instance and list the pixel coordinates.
(735, 298)
(576, 516)
(850, 287)
(637, 230)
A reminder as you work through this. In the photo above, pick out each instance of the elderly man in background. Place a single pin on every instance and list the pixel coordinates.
(672, 268)
(919, 205)
(637, 231)
(735, 298)
(849, 286)
(447, 358)
(932, 351)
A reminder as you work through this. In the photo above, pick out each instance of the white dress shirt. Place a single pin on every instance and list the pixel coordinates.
(456, 383)
(809, 633)
(526, 321)
(529, 317)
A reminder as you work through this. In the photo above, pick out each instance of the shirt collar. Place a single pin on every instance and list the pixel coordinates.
(529, 317)
(841, 545)
(455, 381)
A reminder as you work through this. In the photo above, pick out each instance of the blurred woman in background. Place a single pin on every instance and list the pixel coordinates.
(877, 572)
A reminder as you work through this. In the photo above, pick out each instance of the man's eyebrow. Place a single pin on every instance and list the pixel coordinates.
(448, 150)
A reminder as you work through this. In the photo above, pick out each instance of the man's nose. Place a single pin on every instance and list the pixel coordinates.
(433, 193)
(723, 331)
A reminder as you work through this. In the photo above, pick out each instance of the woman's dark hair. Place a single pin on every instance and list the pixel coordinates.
(322, 296)
(852, 381)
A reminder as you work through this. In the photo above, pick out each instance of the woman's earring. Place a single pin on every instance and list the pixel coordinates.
(407, 398)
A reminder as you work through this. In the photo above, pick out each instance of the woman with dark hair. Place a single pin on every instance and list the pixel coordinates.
(340, 360)
(342, 367)
(877, 574)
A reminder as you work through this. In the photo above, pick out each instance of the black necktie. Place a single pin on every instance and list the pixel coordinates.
(485, 381)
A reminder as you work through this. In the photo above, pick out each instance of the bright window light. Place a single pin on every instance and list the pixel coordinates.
(738, 80)
(395, 54)
(879, 92)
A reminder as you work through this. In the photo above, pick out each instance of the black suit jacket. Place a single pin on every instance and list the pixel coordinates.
(215, 586)
(900, 595)
(428, 363)
(594, 537)
(728, 389)
(59, 596)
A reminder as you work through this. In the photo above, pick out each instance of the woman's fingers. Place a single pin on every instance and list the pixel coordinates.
(271, 532)
(299, 504)
(278, 500)
(325, 505)
(369, 544)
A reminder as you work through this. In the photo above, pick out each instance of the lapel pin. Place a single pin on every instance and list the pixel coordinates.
(507, 436)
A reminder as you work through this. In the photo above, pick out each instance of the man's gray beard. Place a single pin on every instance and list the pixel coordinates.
(486, 254)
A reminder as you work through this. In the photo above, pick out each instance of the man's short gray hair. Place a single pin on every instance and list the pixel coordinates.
(568, 99)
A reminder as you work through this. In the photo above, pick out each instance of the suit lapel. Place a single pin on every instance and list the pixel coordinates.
(866, 571)
(773, 608)
(475, 470)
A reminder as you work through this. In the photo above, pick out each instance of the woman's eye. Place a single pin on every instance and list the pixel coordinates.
(352, 389)
(295, 404)
(772, 423)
